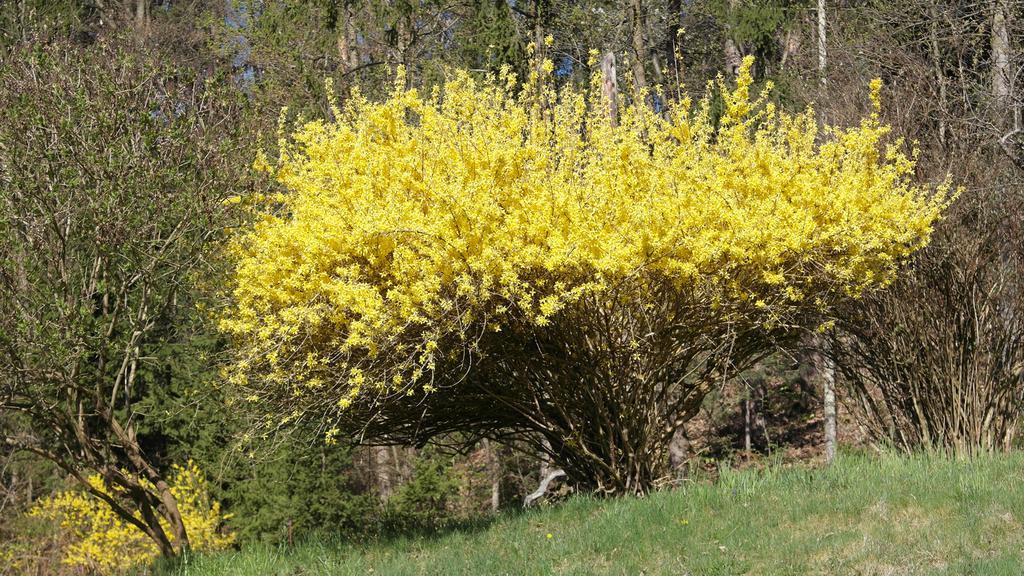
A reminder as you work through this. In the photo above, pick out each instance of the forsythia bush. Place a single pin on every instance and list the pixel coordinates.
(101, 541)
(422, 219)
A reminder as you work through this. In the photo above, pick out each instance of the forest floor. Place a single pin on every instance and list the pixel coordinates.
(869, 515)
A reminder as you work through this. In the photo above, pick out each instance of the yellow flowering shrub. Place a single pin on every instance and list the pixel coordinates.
(408, 232)
(99, 540)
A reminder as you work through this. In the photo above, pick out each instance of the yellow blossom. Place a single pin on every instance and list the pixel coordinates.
(100, 541)
(413, 225)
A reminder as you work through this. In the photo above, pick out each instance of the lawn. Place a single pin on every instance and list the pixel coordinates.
(864, 515)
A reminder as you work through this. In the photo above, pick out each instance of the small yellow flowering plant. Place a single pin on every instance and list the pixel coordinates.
(99, 540)
(497, 257)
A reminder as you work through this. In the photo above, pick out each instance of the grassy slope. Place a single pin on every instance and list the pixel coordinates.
(885, 515)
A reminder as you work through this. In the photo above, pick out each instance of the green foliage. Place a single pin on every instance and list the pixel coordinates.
(757, 26)
(297, 489)
(424, 502)
(23, 20)
(756, 21)
(275, 489)
(489, 38)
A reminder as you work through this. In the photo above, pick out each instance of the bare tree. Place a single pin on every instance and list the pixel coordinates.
(109, 184)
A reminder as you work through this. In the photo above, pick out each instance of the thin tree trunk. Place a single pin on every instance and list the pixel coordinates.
(940, 76)
(827, 370)
(538, 33)
(747, 418)
(351, 38)
(733, 55)
(381, 464)
(494, 470)
(1000, 51)
(827, 374)
(344, 50)
(141, 7)
(152, 521)
(168, 503)
(636, 20)
(673, 37)
(790, 46)
(822, 46)
(610, 86)
(547, 475)
(759, 415)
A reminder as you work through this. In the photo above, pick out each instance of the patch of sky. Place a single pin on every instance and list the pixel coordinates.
(564, 67)
(238, 15)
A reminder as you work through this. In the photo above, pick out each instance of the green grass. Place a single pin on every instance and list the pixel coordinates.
(883, 515)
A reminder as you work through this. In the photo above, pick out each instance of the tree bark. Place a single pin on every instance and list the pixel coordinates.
(791, 43)
(639, 46)
(547, 477)
(610, 86)
(733, 55)
(168, 508)
(382, 456)
(940, 76)
(673, 36)
(822, 46)
(1000, 52)
(347, 52)
(678, 451)
(747, 421)
(494, 470)
(827, 373)
(141, 9)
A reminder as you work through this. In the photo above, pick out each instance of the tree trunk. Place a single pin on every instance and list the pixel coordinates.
(155, 530)
(940, 75)
(547, 477)
(747, 420)
(346, 42)
(827, 373)
(168, 508)
(822, 46)
(610, 86)
(141, 8)
(678, 451)
(538, 29)
(170, 511)
(790, 46)
(673, 37)
(382, 456)
(494, 470)
(733, 55)
(1001, 73)
(636, 21)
